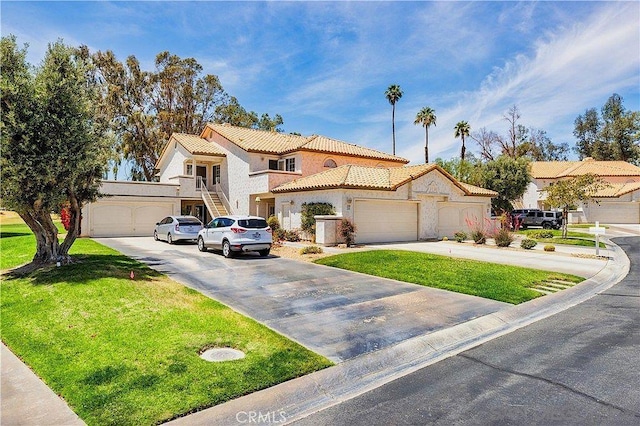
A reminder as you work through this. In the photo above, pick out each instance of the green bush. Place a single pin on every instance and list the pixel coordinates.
(460, 236)
(279, 234)
(273, 223)
(309, 210)
(479, 236)
(549, 247)
(528, 243)
(445, 238)
(541, 235)
(503, 238)
(311, 250)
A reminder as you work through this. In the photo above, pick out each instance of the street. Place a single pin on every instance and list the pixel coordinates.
(579, 367)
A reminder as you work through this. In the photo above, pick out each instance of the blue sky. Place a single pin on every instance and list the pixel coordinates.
(324, 66)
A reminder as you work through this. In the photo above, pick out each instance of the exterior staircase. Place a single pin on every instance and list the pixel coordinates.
(214, 204)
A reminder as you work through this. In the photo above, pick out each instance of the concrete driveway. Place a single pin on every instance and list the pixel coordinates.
(336, 313)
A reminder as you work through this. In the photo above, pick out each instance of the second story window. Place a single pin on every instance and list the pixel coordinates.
(189, 170)
(273, 164)
(290, 164)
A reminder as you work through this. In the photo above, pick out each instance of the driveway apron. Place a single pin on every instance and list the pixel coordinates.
(336, 313)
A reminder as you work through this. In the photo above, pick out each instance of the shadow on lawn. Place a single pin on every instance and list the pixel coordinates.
(13, 234)
(85, 268)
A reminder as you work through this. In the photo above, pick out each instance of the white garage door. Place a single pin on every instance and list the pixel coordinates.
(385, 221)
(121, 218)
(614, 212)
(453, 217)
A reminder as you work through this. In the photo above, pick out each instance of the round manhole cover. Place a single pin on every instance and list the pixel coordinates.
(221, 354)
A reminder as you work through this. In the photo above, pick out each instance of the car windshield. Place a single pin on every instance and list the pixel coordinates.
(253, 223)
(188, 221)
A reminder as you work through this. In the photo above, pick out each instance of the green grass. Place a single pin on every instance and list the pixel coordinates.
(123, 351)
(574, 238)
(586, 225)
(498, 282)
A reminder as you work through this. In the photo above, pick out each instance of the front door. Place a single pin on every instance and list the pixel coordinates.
(201, 213)
(201, 172)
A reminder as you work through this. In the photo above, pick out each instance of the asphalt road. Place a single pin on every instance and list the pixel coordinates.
(579, 367)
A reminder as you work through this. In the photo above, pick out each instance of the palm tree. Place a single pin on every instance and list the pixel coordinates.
(393, 94)
(462, 129)
(426, 116)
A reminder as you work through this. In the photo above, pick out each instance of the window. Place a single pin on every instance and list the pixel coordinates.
(189, 171)
(290, 164)
(273, 164)
(329, 163)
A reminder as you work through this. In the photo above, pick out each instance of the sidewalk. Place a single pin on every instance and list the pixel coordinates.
(28, 401)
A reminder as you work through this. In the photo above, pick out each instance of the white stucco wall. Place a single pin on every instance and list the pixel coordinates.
(174, 164)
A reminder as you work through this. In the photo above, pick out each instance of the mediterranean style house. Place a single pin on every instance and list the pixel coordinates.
(235, 170)
(619, 202)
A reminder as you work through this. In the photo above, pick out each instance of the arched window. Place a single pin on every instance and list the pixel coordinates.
(329, 163)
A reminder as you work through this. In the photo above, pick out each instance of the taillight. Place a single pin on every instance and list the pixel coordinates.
(269, 230)
(177, 227)
(238, 230)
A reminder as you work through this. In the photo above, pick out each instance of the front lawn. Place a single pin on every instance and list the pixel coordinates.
(123, 351)
(574, 238)
(505, 283)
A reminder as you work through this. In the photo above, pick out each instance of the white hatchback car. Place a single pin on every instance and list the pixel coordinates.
(174, 228)
(236, 234)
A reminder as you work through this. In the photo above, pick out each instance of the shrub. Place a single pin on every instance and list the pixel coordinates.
(293, 235)
(309, 210)
(273, 223)
(311, 250)
(445, 238)
(549, 247)
(541, 234)
(347, 230)
(279, 234)
(503, 238)
(479, 236)
(460, 236)
(528, 243)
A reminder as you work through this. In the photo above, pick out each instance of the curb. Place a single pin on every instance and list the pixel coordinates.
(301, 397)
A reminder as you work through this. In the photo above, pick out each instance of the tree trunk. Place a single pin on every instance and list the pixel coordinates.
(46, 233)
(75, 211)
(565, 221)
(463, 150)
(393, 126)
(426, 145)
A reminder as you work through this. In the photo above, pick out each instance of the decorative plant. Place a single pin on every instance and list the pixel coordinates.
(528, 243)
(549, 247)
(292, 235)
(503, 237)
(311, 250)
(347, 230)
(460, 236)
(541, 234)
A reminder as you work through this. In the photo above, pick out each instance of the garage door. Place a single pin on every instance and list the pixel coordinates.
(452, 217)
(614, 212)
(111, 219)
(385, 221)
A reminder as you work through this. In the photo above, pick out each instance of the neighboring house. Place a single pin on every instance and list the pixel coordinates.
(619, 202)
(235, 170)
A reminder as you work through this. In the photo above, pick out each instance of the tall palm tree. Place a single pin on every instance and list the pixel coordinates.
(462, 130)
(426, 116)
(393, 94)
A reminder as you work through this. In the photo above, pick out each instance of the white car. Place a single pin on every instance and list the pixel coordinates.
(175, 228)
(236, 234)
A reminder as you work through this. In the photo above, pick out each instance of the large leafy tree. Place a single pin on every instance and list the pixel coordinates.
(393, 95)
(567, 193)
(509, 177)
(612, 135)
(462, 130)
(53, 144)
(426, 117)
(146, 107)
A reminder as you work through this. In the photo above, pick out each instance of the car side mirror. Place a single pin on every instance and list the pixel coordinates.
(157, 223)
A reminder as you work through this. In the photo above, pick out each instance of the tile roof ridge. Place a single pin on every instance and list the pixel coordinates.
(346, 175)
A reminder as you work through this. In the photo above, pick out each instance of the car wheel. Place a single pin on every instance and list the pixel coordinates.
(264, 253)
(546, 225)
(201, 245)
(169, 238)
(155, 235)
(226, 249)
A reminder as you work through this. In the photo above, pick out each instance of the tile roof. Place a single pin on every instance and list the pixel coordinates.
(196, 145)
(253, 140)
(377, 178)
(615, 190)
(558, 169)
